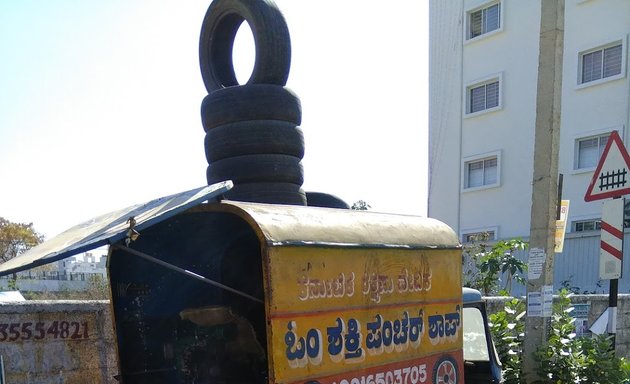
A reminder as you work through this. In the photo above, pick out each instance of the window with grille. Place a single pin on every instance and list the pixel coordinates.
(472, 237)
(480, 173)
(483, 96)
(484, 20)
(589, 149)
(601, 63)
(587, 225)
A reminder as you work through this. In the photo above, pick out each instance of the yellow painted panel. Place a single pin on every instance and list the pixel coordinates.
(334, 310)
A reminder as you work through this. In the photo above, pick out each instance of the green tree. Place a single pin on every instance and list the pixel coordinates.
(492, 261)
(15, 238)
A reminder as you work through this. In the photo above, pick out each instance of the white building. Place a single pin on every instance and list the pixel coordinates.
(483, 78)
(87, 265)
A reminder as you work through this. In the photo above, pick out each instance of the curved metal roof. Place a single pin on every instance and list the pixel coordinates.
(299, 225)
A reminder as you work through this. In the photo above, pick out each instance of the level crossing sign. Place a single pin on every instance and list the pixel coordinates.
(612, 175)
(611, 246)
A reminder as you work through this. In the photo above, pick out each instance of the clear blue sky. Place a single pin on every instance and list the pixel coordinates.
(99, 103)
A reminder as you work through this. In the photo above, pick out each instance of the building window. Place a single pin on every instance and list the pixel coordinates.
(481, 173)
(588, 150)
(587, 225)
(483, 96)
(484, 20)
(472, 237)
(601, 63)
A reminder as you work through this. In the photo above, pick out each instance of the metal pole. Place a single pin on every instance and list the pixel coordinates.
(611, 253)
(559, 203)
(2, 378)
(612, 311)
(613, 292)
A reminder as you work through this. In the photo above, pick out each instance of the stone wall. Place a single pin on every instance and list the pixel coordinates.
(69, 342)
(597, 305)
(33, 285)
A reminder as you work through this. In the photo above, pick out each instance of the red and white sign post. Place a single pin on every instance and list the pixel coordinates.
(611, 248)
(611, 179)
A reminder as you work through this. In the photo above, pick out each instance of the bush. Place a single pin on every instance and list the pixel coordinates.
(565, 358)
(507, 330)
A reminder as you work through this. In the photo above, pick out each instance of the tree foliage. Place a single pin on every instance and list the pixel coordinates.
(491, 262)
(360, 205)
(15, 238)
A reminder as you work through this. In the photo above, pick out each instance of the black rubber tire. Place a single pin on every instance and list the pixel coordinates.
(271, 36)
(267, 168)
(326, 200)
(271, 193)
(254, 137)
(250, 102)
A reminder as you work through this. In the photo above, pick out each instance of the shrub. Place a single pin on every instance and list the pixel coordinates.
(507, 330)
(565, 358)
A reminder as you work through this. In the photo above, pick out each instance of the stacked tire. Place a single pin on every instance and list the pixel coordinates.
(252, 130)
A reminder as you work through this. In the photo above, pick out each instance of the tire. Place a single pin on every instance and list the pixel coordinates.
(266, 168)
(319, 199)
(271, 36)
(250, 102)
(254, 137)
(270, 193)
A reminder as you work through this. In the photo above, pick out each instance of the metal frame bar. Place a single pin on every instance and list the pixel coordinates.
(185, 272)
(2, 377)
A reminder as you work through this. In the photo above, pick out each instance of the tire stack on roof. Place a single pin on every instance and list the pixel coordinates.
(252, 130)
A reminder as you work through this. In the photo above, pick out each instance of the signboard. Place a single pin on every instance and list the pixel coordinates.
(361, 315)
(612, 175)
(535, 261)
(540, 303)
(611, 246)
(580, 314)
(561, 226)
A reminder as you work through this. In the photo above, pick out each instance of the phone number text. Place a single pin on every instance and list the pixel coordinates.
(409, 375)
(72, 330)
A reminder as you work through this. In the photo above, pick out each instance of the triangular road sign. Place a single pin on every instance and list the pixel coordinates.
(612, 175)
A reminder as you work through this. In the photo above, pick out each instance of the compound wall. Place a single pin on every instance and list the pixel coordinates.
(68, 342)
(595, 306)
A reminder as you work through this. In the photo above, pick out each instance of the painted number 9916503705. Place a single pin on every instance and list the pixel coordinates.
(409, 375)
(73, 330)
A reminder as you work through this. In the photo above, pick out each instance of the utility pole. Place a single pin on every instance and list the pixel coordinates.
(544, 183)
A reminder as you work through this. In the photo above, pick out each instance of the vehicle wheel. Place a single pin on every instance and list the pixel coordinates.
(268, 168)
(445, 371)
(271, 193)
(271, 36)
(250, 102)
(319, 199)
(254, 137)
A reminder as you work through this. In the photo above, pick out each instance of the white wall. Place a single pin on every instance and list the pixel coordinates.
(591, 109)
(513, 54)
